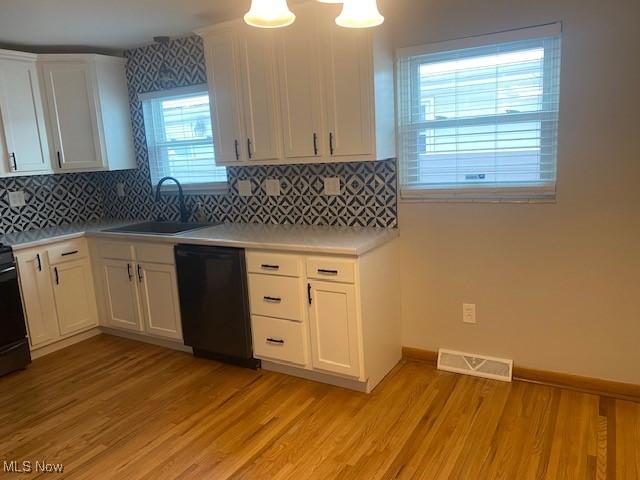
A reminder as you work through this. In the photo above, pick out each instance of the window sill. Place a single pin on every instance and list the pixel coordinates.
(478, 195)
(204, 189)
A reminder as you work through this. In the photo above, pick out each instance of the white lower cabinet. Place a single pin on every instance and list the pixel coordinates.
(140, 295)
(327, 318)
(121, 295)
(334, 328)
(74, 295)
(279, 340)
(37, 297)
(159, 295)
(58, 294)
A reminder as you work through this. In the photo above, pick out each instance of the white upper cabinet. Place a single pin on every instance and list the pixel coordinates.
(63, 113)
(348, 89)
(310, 92)
(261, 109)
(88, 112)
(72, 115)
(300, 88)
(25, 150)
(243, 92)
(224, 95)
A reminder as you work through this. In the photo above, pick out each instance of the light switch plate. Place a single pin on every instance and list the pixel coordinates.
(245, 188)
(332, 185)
(272, 186)
(16, 199)
(469, 312)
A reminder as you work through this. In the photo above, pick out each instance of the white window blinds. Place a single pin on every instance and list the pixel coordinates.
(481, 120)
(179, 137)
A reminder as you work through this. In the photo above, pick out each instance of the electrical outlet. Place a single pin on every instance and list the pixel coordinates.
(272, 186)
(332, 185)
(245, 188)
(16, 199)
(469, 312)
(120, 189)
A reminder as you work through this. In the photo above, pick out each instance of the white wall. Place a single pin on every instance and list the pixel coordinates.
(557, 286)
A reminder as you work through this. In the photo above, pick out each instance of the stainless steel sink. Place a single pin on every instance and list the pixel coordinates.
(159, 228)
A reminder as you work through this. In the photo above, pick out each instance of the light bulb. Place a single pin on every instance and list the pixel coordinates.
(269, 14)
(359, 14)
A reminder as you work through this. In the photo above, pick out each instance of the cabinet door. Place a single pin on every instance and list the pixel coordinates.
(223, 77)
(37, 297)
(121, 295)
(334, 329)
(74, 296)
(23, 117)
(70, 90)
(261, 110)
(300, 88)
(159, 294)
(348, 76)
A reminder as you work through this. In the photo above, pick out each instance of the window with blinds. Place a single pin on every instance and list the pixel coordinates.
(180, 139)
(478, 117)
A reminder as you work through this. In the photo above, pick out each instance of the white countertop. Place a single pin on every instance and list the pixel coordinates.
(352, 241)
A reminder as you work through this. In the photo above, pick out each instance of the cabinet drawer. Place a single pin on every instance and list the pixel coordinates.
(331, 269)
(66, 251)
(273, 263)
(274, 296)
(155, 253)
(115, 250)
(278, 339)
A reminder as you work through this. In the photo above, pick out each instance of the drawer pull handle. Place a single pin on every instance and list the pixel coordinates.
(270, 267)
(66, 254)
(272, 299)
(324, 271)
(278, 341)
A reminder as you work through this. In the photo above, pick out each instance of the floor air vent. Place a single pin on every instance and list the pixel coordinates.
(477, 365)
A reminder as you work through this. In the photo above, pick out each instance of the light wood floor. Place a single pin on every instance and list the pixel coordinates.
(114, 408)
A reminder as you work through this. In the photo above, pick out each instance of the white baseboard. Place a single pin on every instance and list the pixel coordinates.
(161, 342)
(316, 376)
(64, 343)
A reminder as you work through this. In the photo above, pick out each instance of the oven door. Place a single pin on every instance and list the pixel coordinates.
(12, 327)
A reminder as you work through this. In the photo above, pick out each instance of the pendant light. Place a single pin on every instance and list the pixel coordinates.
(269, 14)
(359, 14)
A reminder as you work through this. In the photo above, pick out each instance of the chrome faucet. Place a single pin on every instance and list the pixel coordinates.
(184, 211)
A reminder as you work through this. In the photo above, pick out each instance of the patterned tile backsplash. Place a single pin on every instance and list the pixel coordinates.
(51, 200)
(368, 189)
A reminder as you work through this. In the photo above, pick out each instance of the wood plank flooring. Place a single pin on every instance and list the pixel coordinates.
(113, 408)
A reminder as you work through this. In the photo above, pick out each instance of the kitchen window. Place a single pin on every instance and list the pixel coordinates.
(478, 117)
(180, 139)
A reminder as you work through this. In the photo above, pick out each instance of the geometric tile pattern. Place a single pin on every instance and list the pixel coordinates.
(368, 189)
(51, 200)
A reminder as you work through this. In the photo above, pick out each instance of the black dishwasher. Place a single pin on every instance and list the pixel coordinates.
(214, 303)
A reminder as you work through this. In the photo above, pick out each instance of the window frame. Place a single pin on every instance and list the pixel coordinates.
(189, 188)
(475, 193)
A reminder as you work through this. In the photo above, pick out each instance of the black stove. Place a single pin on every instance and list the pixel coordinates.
(14, 346)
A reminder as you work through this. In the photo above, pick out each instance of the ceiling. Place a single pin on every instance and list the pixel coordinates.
(105, 25)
